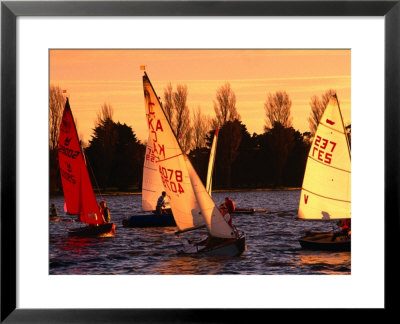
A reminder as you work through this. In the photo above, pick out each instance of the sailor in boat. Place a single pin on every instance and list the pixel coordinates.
(345, 229)
(226, 214)
(105, 212)
(212, 241)
(226, 209)
(161, 204)
(230, 205)
(53, 211)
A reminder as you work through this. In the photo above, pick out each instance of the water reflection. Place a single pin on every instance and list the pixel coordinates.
(325, 262)
(191, 265)
(272, 243)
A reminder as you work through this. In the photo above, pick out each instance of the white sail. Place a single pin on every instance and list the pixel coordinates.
(326, 190)
(152, 185)
(211, 162)
(215, 222)
(171, 163)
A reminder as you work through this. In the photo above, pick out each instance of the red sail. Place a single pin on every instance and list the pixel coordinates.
(78, 192)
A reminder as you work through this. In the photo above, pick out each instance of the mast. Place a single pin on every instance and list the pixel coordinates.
(211, 162)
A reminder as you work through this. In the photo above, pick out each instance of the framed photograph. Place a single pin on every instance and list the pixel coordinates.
(42, 41)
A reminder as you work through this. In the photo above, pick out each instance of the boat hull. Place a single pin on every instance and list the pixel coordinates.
(323, 241)
(244, 211)
(55, 219)
(104, 230)
(229, 248)
(151, 220)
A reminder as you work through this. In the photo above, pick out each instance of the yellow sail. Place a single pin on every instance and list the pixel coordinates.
(326, 189)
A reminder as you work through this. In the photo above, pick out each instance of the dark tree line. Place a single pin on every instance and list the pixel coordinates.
(276, 158)
(114, 157)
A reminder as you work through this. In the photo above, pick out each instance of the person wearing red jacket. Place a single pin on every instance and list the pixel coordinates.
(226, 210)
(345, 229)
(230, 205)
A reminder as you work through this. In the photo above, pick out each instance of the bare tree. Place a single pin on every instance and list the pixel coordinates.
(177, 112)
(277, 110)
(56, 108)
(168, 103)
(225, 105)
(318, 107)
(182, 117)
(200, 127)
(106, 113)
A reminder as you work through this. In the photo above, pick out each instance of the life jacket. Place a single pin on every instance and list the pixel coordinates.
(345, 225)
(106, 213)
(230, 205)
(223, 209)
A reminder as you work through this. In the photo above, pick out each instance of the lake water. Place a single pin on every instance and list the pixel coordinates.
(272, 242)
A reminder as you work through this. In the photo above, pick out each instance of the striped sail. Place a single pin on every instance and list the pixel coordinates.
(171, 163)
(326, 189)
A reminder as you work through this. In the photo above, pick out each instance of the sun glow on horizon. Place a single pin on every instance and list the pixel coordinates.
(95, 77)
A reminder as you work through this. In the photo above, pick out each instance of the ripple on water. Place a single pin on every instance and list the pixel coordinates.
(272, 241)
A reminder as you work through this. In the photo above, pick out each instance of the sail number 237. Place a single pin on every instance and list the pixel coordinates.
(171, 179)
(323, 149)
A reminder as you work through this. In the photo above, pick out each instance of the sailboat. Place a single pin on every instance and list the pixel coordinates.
(78, 191)
(210, 170)
(190, 202)
(151, 190)
(326, 189)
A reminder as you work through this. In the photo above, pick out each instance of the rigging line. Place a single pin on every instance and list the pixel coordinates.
(347, 201)
(171, 157)
(344, 128)
(146, 167)
(331, 128)
(91, 170)
(328, 165)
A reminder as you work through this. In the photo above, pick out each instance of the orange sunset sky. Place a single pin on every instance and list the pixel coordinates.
(95, 77)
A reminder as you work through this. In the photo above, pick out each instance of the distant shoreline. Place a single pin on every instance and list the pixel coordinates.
(121, 193)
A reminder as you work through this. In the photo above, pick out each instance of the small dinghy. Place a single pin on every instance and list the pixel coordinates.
(246, 211)
(190, 201)
(55, 219)
(325, 241)
(217, 247)
(102, 230)
(78, 191)
(326, 189)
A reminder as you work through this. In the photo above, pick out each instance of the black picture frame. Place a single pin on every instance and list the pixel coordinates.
(10, 10)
